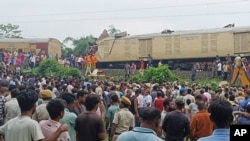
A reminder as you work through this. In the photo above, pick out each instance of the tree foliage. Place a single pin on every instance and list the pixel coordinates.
(50, 67)
(10, 31)
(157, 74)
(80, 45)
(112, 30)
(66, 51)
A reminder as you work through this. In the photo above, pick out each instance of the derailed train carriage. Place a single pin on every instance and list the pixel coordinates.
(178, 49)
(39, 46)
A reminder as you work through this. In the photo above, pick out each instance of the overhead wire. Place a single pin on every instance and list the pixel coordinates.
(138, 17)
(121, 10)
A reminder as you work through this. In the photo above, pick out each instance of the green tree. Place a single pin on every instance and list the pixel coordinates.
(157, 74)
(10, 31)
(50, 67)
(66, 51)
(80, 45)
(112, 30)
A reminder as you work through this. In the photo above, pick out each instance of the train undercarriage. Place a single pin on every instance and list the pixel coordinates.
(202, 64)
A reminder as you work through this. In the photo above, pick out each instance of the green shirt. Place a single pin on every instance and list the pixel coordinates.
(69, 118)
(111, 113)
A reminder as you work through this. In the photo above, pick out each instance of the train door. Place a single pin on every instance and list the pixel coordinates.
(242, 43)
(145, 47)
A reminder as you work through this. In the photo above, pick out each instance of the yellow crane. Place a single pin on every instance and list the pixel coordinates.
(240, 72)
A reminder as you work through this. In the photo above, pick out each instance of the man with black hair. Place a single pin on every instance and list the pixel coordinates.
(89, 126)
(188, 96)
(168, 106)
(123, 119)
(136, 107)
(201, 125)
(79, 105)
(176, 124)
(111, 112)
(56, 111)
(150, 123)
(221, 114)
(69, 117)
(243, 118)
(19, 128)
(245, 102)
(12, 109)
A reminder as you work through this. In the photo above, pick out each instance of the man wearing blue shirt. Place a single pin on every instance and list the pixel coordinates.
(221, 114)
(245, 102)
(150, 123)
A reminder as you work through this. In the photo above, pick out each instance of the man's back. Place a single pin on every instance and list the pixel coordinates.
(201, 125)
(88, 126)
(188, 96)
(69, 119)
(176, 125)
(48, 127)
(111, 113)
(12, 109)
(41, 112)
(21, 128)
(139, 134)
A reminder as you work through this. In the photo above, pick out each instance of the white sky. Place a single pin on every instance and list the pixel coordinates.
(62, 18)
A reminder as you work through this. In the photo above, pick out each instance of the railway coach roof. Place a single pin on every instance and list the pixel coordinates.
(25, 40)
(186, 32)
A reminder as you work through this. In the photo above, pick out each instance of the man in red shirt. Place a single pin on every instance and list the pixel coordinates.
(142, 65)
(158, 101)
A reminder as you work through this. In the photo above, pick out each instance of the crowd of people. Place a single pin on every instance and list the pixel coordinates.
(15, 60)
(77, 109)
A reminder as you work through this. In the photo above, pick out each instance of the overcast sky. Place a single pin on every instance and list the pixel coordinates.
(62, 18)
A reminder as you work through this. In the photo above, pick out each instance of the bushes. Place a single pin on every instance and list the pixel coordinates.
(157, 74)
(51, 67)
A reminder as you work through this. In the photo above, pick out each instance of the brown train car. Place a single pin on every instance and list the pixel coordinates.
(46, 46)
(179, 46)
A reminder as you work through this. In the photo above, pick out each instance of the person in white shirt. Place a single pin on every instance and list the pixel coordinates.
(219, 68)
(23, 127)
(80, 62)
(188, 96)
(208, 95)
(147, 100)
(33, 61)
